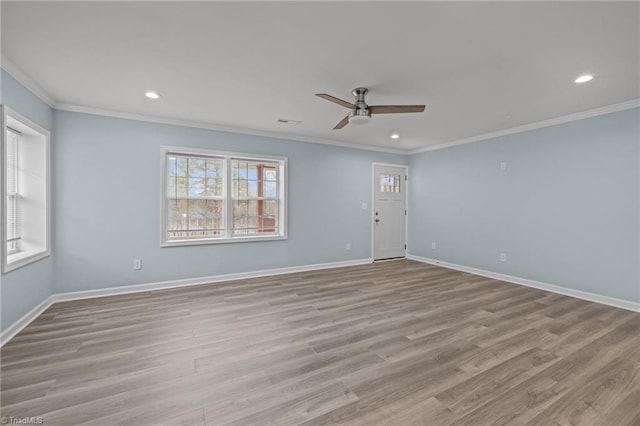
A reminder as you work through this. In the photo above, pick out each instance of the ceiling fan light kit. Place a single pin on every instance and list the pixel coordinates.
(359, 116)
(361, 112)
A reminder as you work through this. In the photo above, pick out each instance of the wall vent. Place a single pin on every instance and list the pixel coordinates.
(286, 121)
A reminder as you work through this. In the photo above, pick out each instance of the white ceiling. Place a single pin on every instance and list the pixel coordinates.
(479, 67)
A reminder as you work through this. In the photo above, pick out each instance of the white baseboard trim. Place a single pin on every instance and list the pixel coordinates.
(592, 297)
(17, 326)
(25, 320)
(113, 291)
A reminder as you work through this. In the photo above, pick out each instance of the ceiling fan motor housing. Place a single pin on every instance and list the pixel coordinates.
(359, 94)
(361, 114)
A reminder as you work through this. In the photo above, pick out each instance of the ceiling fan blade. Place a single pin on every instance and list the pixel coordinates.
(336, 100)
(395, 109)
(342, 123)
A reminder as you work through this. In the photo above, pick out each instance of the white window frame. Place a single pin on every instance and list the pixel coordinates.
(14, 195)
(19, 258)
(228, 237)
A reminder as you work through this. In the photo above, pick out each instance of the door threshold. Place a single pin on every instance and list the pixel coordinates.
(389, 259)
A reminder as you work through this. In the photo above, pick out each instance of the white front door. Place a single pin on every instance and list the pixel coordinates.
(389, 214)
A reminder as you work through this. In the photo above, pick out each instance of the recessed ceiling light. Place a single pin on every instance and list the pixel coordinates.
(584, 78)
(395, 136)
(151, 94)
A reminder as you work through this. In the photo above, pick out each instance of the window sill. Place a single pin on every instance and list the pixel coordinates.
(198, 242)
(23, 258)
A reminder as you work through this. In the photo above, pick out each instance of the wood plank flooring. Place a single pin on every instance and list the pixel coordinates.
(393, 343)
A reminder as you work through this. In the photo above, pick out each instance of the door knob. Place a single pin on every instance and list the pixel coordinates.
(377, 220)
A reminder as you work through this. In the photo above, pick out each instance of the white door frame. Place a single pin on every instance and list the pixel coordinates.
(373, 204)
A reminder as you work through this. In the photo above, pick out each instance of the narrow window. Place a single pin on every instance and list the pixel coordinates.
(25, 187)
(13, 216)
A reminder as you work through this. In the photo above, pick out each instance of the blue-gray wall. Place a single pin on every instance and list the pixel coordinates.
(107, 173)
(23, 289)
(566, 210)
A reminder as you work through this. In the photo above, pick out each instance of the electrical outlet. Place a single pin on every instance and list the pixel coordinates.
(433, 246)
(137, 264)
(503, 257)
(364, 206)
(503, 166)
(347, 246)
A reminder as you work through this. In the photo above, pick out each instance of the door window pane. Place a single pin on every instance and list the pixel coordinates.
(389, 183)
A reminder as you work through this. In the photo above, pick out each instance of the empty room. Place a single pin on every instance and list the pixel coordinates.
(315, 212)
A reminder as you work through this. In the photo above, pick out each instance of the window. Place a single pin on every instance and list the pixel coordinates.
(389, 183)
(25, 191)
(13, 217)
(195, 197)
(254, 191)
(214, 197)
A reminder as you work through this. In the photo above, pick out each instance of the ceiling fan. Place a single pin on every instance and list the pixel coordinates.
(361, 112)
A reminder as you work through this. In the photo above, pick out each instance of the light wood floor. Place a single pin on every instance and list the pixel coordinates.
(390, 343)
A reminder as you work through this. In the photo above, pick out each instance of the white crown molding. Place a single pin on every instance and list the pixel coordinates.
(579, 294)
(17, 73)
(634, 103)
(30, 84)
(237, 130)
(26, 319)
(24, 79)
